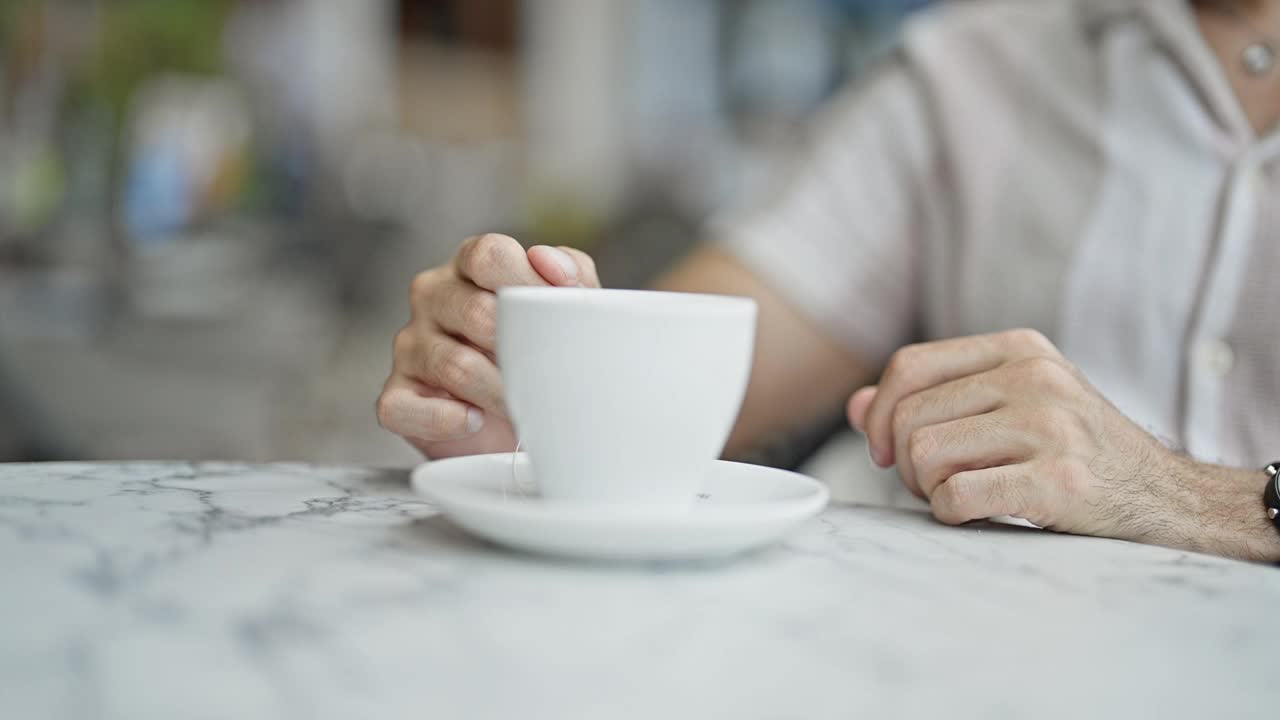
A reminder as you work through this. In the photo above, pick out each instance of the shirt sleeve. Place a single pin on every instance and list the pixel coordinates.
(841, 237)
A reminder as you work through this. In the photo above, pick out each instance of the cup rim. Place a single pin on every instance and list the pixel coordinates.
(651, 300)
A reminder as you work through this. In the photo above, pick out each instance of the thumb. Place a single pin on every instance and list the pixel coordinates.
(564, 266)
(858, 406)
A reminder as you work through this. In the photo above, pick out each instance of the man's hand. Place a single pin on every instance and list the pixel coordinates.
(1003, 425)
(444, 394)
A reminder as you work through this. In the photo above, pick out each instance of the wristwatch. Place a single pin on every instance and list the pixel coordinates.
(1271, 496)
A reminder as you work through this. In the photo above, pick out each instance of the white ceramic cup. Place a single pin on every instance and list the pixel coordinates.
(623, 396)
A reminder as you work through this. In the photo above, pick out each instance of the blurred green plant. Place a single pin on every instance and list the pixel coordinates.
(557, 218)
(134, 39)
(140, 38)
(9, 10)
(108, 50)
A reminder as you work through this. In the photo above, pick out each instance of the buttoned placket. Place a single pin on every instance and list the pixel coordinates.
(1210, 355)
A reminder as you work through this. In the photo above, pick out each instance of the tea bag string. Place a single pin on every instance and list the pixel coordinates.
(514, 481)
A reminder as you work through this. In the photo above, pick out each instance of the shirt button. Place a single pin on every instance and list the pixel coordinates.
(1217, 357)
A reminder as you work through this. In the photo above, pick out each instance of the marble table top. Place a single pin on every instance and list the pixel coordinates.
(288, 591)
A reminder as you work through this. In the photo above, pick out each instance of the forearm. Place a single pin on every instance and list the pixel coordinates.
(1208, 508)
(798, 375)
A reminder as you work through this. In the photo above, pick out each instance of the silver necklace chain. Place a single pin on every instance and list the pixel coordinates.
(1259, 56)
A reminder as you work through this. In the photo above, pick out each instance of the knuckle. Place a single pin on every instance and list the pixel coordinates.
(1045, 372)
(420, 286)
(1011, 497)
(383, 409)
(1046, 421)
(402, 344)
(921, 447)
(954, 499)
(470, 254)
(458, 368)
(1066, 419)
(903, 412)
(466, 251)
(489, 250)
(902, 365)
(960, 489)
(480, 315)
(1033, 339)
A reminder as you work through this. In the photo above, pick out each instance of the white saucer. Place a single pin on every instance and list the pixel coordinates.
(742, 507)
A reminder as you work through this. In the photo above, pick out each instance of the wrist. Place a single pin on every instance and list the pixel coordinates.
(1228, 517)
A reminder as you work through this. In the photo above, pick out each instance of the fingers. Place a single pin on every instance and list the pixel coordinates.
(586, 267)
(466, 311)
(449, 344)
(917, 367)
(493, 261)
(444, 383)
(462, 371)
(425, 356)
(564, 266)
(403, 411)
(938, 452)
(950, 401)
(980, 494)
(466, 306)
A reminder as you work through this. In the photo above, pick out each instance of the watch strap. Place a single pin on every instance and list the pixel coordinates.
(1271, 495)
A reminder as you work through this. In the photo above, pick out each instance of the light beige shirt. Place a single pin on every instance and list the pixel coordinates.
(1081, 167)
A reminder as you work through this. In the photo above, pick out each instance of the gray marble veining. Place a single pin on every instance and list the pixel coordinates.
(287, 591)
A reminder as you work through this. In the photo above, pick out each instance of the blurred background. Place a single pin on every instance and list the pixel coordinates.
(210, 210)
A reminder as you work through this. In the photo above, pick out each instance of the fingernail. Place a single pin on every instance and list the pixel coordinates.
(871, 453)
(566, 264)
(878, 456)
(475, 420)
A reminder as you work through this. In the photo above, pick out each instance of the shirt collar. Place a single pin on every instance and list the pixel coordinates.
(1098, 14)
(1173, 24)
